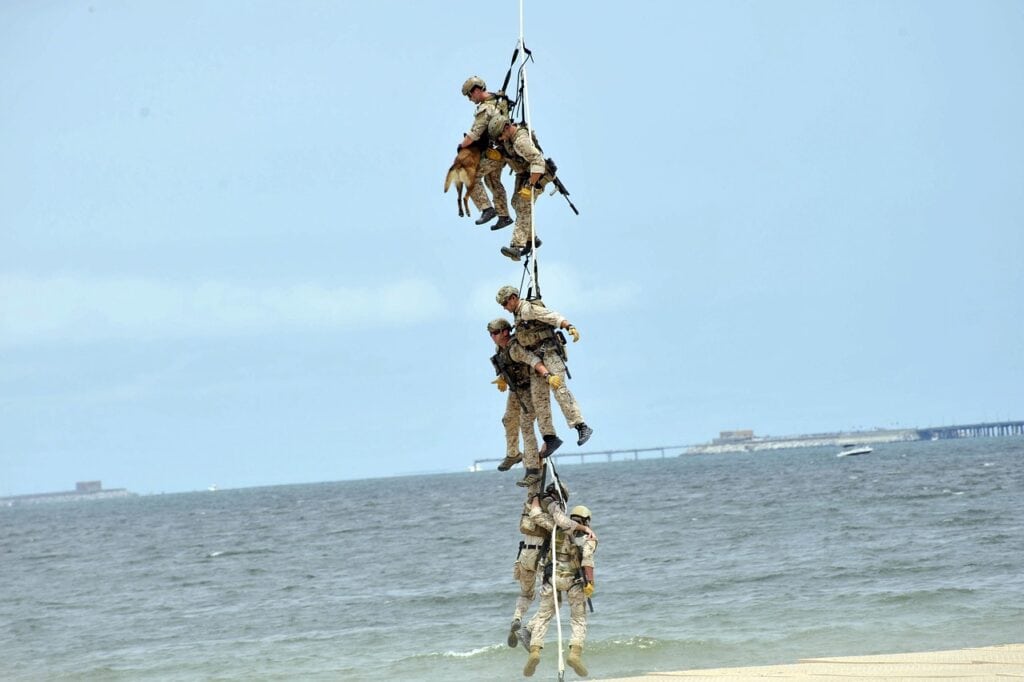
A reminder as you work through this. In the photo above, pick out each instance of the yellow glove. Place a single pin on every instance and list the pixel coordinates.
(588, 590)
(575, 334)
(501, 384)
(529, 192)
(493, 154)
(554, 381)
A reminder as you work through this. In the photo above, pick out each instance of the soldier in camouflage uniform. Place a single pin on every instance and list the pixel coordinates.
(536, 527)
(573, 574)
(488, 105)
(527, 162)
(535, 334)
(519, 418)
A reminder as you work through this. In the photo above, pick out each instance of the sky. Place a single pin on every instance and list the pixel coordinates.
(226, 257)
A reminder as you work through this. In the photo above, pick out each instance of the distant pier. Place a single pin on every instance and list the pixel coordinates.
(608, 455)
(987, 430)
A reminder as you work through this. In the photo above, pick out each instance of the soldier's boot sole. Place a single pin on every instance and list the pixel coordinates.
(503, 221)
(551, 443)
(513, 638)
(509, 462)
(487, 216)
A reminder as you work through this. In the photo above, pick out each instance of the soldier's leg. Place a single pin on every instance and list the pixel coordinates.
(539, 623)
(578, 615)
(527, 419)
(527, 582)
(566, 400)
(478, 195)
(540, 395)
(490, 171)
(524, 210)
(510, 420)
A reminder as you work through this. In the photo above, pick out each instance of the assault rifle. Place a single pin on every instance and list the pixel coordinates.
(552, 169)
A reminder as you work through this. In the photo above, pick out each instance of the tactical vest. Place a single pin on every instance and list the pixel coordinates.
(567, 552)
(516, 372)
(532, 333)
(500, 102)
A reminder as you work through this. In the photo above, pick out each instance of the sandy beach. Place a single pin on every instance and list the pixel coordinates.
(1003, 662)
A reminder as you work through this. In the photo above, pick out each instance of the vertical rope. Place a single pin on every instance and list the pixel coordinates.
(529, 125)
(554, 562)
(549, 463)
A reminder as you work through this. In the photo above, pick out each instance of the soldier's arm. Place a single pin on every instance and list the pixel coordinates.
(520, 354)
(479, 127)
(525, 148)
(528, 311)
(587, 561)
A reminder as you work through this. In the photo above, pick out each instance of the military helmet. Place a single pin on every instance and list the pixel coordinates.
(498, 324)
(497, 126)
(551, 491)
(505, 293)
(581, 512)
(473, 82)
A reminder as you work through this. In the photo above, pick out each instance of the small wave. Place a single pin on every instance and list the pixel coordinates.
(216, 554)
(472, 652)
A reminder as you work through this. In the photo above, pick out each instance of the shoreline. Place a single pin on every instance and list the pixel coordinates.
(1005, 661)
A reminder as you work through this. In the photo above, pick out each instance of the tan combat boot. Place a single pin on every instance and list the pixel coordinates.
(532, 661)
(575, 659)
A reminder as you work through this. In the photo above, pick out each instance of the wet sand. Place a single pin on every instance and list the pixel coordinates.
(1004, 662)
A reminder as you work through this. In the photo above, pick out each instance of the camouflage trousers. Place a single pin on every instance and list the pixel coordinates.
(490, 171)
(538, 625)
(540, 392)
(524, 212)
(519, 421)
(525, 571)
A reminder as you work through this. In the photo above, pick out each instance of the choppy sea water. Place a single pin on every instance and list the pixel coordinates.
(704, 561)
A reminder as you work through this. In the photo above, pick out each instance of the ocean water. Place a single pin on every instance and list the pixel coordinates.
(703, 561)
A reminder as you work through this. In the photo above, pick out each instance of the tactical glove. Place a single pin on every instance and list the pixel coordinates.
(501, 384)
(554, 381)
(588, 590)
(575, 334)
(493, 154)
(527, 192)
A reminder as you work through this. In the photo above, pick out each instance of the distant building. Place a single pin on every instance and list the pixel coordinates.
(84, 490)
(739, 436)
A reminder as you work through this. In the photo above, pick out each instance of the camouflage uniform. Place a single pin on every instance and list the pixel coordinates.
(529, 560)
(519, 414)
(535, 339)
(573, 551)
(489, 168)
(524, 158)
(536, 527)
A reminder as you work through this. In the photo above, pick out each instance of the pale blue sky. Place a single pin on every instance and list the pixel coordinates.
(225, 256)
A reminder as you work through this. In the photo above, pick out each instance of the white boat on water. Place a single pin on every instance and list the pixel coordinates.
(851, 449)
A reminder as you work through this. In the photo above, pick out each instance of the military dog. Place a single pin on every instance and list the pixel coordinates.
(463, 174)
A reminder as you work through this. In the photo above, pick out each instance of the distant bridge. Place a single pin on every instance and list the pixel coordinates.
(986, 430)
(609, 454)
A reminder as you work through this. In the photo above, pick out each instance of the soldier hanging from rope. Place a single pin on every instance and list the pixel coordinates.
(488, 105)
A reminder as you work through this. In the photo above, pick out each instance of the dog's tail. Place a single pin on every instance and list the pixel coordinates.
(460, 176)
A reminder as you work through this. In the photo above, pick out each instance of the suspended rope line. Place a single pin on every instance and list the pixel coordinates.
(550, 464)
